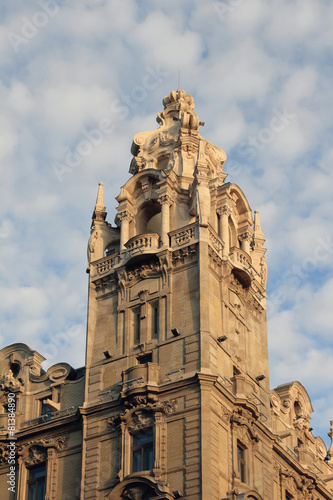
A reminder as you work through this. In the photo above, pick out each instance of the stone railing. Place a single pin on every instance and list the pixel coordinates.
(140, 375)
(49, 417)
(184, 236)
(240, 258)
(215, 241)
(143, 243)
(105, 264)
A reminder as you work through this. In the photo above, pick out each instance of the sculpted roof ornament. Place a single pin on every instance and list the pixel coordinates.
(175, 144)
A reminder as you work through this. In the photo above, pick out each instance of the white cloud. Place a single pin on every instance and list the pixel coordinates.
(240, 68)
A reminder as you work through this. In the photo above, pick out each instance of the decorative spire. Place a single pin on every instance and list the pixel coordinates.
(257, 228)
(99, 212)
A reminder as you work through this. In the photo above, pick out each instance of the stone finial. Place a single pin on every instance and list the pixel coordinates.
(99, 212)
(183, 105)
(100, 199)
(257, 227)
(258, 236)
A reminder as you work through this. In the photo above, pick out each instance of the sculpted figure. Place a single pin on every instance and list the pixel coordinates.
(330, 450)
(9, 382)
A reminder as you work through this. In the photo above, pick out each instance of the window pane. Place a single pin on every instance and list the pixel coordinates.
(242, 473)
(37, 472)
(41, 489)
(142, 438)
(36, 482)
(148, 458)
(136, 460)
(32, 491)
(240, 452)
(46, 413)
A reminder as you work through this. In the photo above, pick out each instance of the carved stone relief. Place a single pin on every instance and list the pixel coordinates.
(137, 493)
(37, 454)
(59, 443)
(184, 255)
(9, 382)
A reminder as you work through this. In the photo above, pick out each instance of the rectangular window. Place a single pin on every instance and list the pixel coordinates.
(137, 325)
(45, 412)
(146, 358)
(154, 321)
(241, 462)
(36, 483)
(142, 450)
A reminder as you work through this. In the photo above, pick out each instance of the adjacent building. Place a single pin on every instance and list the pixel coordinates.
(174, 399)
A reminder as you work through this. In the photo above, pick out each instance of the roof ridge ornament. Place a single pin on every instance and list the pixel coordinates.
(174, 145)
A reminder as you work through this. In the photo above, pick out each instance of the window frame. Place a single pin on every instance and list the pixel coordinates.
(142, 447)
(155, 320)
(36, 480)
(241, 461)
(45, 416)
(136, 325)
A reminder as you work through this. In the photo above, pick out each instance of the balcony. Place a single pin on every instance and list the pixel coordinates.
(142, 244)
(49, 417)
(242, 263)
(103, 266)
(140, 376)
(215, 241)
(184, 236)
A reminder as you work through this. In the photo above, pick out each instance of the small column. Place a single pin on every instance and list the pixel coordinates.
(165, 219)
(224, 213)
(124, 231)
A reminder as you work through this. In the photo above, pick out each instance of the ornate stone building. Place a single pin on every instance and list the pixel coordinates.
(174, 399)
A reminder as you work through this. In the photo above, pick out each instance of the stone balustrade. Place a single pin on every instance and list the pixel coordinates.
(242, 263)
(240, 258)
(105, 264)
(215, 241)
(184, 236)
(143, 243)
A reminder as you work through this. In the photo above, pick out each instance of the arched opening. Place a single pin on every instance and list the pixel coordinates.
(149, 218)
(154, 224)
(15, 367)
(233, 234)
(297, 409)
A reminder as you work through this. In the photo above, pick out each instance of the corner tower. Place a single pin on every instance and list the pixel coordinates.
(176, 323)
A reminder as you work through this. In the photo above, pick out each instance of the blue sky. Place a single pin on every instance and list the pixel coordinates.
(261, 77)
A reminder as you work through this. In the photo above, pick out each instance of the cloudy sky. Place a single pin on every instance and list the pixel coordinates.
(261, 76)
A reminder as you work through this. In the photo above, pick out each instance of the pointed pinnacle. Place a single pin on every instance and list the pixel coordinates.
(257, 228)
(99, 207)
(99, 212)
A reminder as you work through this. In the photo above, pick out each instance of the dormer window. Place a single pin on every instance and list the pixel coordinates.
(45, 412)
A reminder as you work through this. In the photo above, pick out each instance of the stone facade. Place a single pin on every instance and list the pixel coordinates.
(174, 400)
